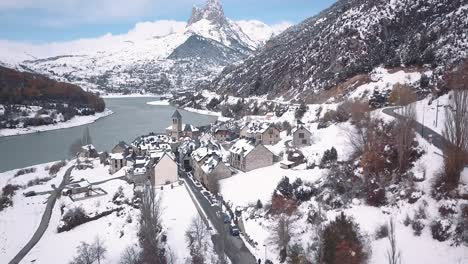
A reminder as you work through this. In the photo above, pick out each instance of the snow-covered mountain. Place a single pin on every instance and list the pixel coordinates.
(314, 58)
(155, 57)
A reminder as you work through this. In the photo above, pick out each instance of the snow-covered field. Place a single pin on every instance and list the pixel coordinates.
(75, 121)
(178, 213)
(18, 223)
(117, 230)
(244, 189)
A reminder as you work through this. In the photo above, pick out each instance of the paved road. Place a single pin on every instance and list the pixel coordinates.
(437, 140)
(45, 219)
(234, 247)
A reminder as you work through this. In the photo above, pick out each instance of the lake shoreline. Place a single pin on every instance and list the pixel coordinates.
(74, 122)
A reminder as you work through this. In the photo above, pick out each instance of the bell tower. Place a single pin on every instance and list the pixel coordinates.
(176, 124)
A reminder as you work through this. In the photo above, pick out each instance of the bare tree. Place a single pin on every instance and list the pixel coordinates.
(99, 249)
(196, 236)
(456, 132)
(405, 136)
(171, 256)
(85, 254)
(393, 254)
(151, 227)
(130, 256)
(282, 235)
(402, 94)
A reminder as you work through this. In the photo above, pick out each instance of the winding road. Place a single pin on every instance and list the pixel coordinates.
(430, 135)
(45, 219)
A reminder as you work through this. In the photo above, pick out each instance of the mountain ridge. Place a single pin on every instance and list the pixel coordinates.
(351, 37)
(143, 62)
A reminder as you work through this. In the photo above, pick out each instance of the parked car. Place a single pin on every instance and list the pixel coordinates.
(213, 200)
(234, 230)
(30, 193)
(226, 218)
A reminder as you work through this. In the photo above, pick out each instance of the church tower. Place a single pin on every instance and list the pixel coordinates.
(176, 124)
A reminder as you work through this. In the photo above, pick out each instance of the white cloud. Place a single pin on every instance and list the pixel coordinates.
(261, 30)
(14, 52)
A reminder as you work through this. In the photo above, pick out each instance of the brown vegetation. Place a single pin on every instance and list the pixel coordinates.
(23, 88)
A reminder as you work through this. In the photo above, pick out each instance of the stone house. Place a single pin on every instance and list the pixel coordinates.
(122, 147)
(191, 131)
(178, 129)
(222, 133)
(301, 136)
(184, 153)
(116, 162)
(165, 171)
(201, 155)
(246, 155)
(213, 168)
(262, 132)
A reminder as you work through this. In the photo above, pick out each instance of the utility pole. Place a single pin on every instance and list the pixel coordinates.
(422, 127)
(437, 113)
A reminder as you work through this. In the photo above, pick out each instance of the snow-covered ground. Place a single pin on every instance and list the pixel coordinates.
(428, 115)
(19, 222)
(75, 121)
(178, 213)
(160, 102)
(244, 189)
(207, 112)
(117, 230)
(114, 230)
(117, 95)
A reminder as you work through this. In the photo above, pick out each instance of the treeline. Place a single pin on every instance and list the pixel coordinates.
(28, 88)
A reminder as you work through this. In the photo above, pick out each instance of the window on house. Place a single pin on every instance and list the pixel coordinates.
(301, 135)
(304, 141)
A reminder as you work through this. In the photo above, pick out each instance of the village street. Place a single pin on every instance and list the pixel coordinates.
(235, 248)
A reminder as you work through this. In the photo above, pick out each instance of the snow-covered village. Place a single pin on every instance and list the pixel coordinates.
(339, 138)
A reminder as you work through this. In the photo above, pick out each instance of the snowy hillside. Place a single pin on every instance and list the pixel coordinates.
(350, 39)
(141, 58)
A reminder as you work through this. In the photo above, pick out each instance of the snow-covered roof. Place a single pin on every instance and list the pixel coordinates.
(207, 148)
(116, 156)
(186, 127)
(257, 127)
(190, 128)
(221, 128)
(78, 184)
(210, 164)
(153, 142)
(187, 146)
(88, 147)
(242, 147)
(295, 129)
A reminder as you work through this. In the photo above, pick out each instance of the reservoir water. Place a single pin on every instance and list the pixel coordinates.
(132, 118)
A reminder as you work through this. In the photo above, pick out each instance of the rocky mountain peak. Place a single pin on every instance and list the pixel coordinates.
(212, 11)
